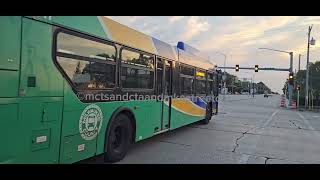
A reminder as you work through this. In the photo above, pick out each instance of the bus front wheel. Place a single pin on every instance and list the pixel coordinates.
(118, 138)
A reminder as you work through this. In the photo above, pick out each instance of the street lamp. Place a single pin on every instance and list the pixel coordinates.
(290, 53)
(224, 74)
(225, 59)
(312, 41)
(290, 87)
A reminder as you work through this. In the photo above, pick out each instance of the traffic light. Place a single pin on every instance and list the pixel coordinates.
(256, 68)
(237, 67)
(291, 82)
(298, 87)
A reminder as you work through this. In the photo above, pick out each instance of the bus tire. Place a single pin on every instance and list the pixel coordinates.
(118, 138)
(208, 114)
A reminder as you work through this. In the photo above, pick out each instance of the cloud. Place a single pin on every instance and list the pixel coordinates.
(173, 19)
(195, 26)
(309, 20)
(243, 30)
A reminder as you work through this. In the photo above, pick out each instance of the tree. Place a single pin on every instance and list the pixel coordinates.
(235, 85)
(314, 79)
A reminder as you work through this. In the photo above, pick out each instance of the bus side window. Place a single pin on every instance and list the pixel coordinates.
(137, 70)
(88, 64)
(187, 80)
(210, 84)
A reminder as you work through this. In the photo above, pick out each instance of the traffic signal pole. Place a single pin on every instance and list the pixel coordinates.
(260, 69)
(290, 86)
(290, 91)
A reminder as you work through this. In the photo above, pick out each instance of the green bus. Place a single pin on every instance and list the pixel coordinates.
(74, 87)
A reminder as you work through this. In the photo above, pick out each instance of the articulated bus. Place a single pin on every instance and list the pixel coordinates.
(76, 87)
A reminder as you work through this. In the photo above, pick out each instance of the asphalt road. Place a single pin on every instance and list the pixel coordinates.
(246, 131)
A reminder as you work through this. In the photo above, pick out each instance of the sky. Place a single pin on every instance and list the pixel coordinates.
(239, 37)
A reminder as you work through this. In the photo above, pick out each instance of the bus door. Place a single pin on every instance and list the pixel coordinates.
(167, 95)
(164, 89)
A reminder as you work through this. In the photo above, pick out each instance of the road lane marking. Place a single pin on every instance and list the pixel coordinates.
(305, 121)
(270, 118)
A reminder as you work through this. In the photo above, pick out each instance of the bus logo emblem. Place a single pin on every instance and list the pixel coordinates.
(90, 122)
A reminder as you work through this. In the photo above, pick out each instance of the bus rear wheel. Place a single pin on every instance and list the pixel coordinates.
(118, 139)
(208, 114)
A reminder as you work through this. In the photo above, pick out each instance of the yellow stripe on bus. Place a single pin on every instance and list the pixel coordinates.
(188, 107)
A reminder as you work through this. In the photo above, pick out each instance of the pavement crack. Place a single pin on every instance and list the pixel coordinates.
(266, 159)
(242, 135)
(188, 145)
(294, 124)
(237, 144)
(213, 129)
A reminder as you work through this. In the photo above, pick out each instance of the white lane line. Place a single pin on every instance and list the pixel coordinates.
(244, 157)
(305, 121)
(270, 118)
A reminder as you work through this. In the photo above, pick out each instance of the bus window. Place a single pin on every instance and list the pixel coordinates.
(187, 80)
(200, 86)
(210, 85)
(186, 70)
(186, 86)
(200, 82)
(87, 63)
(159, 76)
(137, 70)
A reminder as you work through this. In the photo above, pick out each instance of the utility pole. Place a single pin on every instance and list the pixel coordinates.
(307, 71)
(225, 81)
(299, 62)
